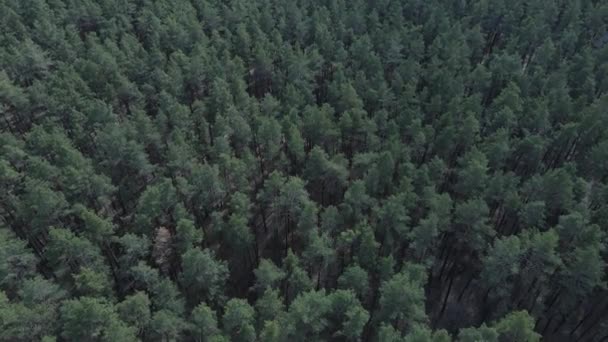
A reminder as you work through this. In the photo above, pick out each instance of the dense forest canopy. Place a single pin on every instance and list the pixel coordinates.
(304, 170)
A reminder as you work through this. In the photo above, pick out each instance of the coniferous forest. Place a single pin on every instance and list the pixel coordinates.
(304, 170)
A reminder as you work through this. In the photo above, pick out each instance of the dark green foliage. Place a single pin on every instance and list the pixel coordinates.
(238, 320)
(90, 318)
(303, 170)
(203, 276)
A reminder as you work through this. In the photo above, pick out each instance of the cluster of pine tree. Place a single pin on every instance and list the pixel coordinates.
(303, 170)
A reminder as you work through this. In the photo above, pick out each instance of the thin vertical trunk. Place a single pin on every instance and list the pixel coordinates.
(445, 261)
(547, 325)
(535, 299)
(598, 319)
(553, 301)
(560, 324)
(466, 286)
(445, 300)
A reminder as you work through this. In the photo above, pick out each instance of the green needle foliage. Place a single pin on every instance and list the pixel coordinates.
(283, 171)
